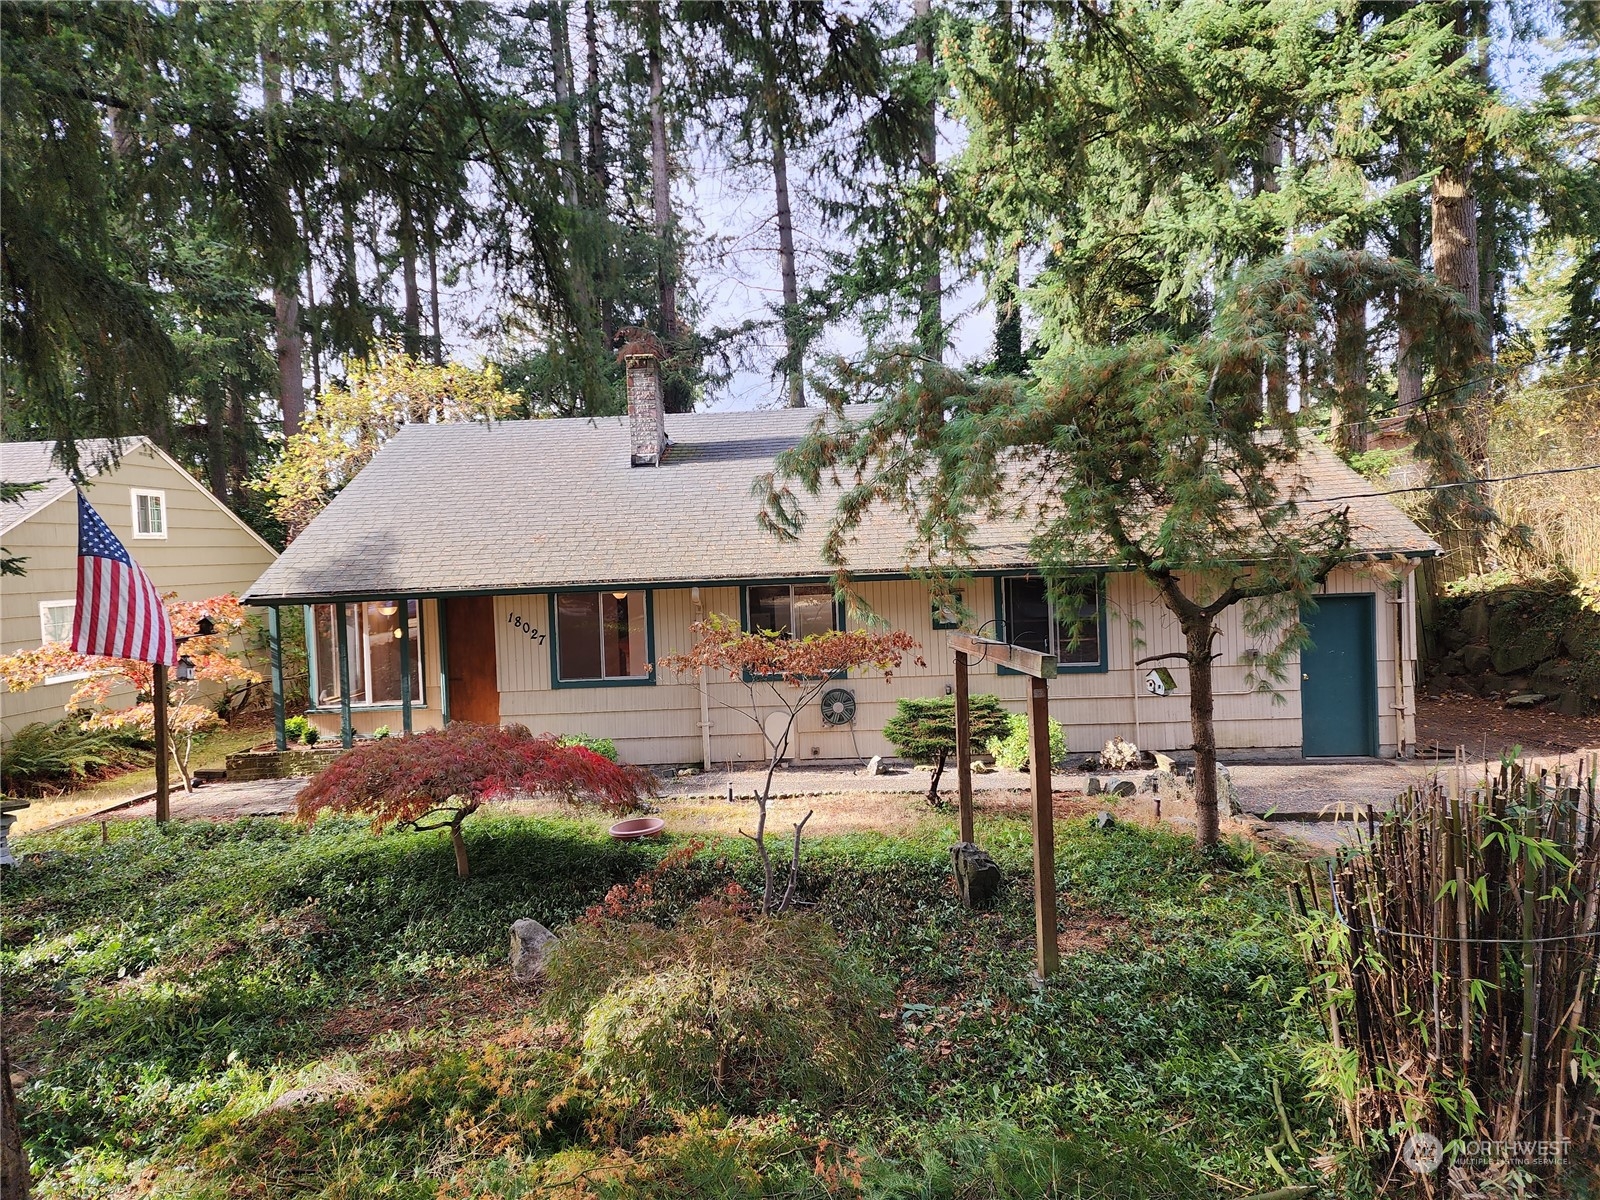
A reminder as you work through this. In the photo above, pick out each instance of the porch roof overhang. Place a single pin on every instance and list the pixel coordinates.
(534, 506)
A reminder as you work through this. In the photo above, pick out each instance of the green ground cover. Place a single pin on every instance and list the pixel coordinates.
(253, 1009)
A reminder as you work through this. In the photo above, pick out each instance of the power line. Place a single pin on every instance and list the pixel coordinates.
(1439, 487)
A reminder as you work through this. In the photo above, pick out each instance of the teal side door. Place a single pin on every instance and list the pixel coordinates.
(1339, 678)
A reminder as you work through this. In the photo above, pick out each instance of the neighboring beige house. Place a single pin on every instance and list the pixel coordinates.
(547, 566)
(187, 540)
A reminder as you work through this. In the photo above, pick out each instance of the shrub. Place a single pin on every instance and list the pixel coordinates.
(1011, 751)
(604, 747)
(298, 729)
(42, 758)
(722, 1009)
(923, 729)
(381, 732)
(450, 773)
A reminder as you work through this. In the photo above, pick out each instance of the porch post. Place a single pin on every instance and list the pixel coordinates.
(347, 731)
(439, 606)
(1044, 829)
(405, 666)
(275, 657)
(963, 747)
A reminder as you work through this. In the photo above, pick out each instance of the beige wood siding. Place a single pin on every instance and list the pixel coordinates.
(659, 722)
(206, 552)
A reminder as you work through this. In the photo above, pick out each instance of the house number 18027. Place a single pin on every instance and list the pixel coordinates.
(534, 635)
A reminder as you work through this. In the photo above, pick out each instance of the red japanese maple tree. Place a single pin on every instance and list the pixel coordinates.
(792, 672)
(450, 773)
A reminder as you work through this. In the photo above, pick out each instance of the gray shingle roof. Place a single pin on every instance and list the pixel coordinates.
(33, 462)
(527, 505)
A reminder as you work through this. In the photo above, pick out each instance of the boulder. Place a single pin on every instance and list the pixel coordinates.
(1102, 820)
(1571, 704)
(530, 946)
(1093, 787)
(1453, 637)
(1526, 700)
(1476, 659)
(1519, 644)
(1122, 787)
(1453, 664)
(1475, 621)
(1159, 781)
(1227, 793)
(977, 875)
(875, 765)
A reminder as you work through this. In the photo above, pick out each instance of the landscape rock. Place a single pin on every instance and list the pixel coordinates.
(1165, 762)
(1122, 787)
(1119, 754)
(1475, 621)
(1227, 793)
(1571, 704)
(1102, 820)
(875, 765)
(979, 767)
(1526, 700)
(1476, 659)
(1518, 644)
(1452, 664)
(978, 876)
(530, 945)
(1094, 787)
(1159, 781)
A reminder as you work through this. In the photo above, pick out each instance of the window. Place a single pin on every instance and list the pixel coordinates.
(55, 620)
(55, 625)
(373, 630)
(792, 610)
(602, 637)
(947, 615)
(149, 514)
(1034, 620)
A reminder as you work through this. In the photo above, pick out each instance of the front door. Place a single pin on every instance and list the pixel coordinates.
(1339, 678)
(469, 644)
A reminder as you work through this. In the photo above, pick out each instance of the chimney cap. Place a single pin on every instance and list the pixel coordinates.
(639, 343)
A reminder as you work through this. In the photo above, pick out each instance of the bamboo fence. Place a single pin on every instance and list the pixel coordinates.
(1453, 954)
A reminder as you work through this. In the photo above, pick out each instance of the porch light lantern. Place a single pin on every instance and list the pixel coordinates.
(388, 608)
(619, 595)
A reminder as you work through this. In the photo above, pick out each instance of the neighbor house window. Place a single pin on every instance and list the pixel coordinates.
(373, 630)
(1034, 620)
(792, 610)
(602, 637)
(149, 514)
(55, 625)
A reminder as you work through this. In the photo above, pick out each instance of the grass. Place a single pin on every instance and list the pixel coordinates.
(210, 750)
(253, 1009)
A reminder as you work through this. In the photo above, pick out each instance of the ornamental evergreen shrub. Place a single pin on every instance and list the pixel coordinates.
(604, 747)
(723, 1008)
(1011, 751)
(923, 730)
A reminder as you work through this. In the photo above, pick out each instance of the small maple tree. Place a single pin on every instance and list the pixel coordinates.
(793, 672)
(450, 773)
(216, 659)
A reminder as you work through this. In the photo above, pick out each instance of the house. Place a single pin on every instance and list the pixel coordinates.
(187, 540)
(535, 571)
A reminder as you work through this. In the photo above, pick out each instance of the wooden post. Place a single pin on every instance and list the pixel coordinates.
(158, 697)
(347, 731)
(439, 607)
(1044, 829)
(405, 667)
(963, 747)
(275, 656)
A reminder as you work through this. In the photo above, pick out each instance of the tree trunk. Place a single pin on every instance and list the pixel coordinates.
(459, 845)
(238, 459)
(216, 403)
(561, 73)
(661, 182)
(285, 299)
(794, 351)
(13, 1156)
(1350, 375)
(930, 316)
(933, 784)
(591, 86)
(1408, 246)
(1198, 633)
(436, 349)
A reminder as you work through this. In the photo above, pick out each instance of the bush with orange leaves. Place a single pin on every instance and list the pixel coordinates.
(450, 773)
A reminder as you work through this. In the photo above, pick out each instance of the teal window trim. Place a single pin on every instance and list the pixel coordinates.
(1101, 667)
(309, 616)
(646, 680)
(839, 618)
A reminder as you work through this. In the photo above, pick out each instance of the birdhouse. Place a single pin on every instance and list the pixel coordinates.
(1160, 682)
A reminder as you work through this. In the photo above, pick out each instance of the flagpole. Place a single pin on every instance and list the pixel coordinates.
(163, 779)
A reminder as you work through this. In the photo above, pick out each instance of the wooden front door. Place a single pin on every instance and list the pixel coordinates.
(469, 644)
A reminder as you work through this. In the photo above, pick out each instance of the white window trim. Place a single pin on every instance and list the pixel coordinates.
(135, 494)
(44, 640)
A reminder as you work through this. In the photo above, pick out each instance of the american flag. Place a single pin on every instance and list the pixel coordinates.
(119, 612)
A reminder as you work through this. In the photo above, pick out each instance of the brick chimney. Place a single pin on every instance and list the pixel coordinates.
(641, 354)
